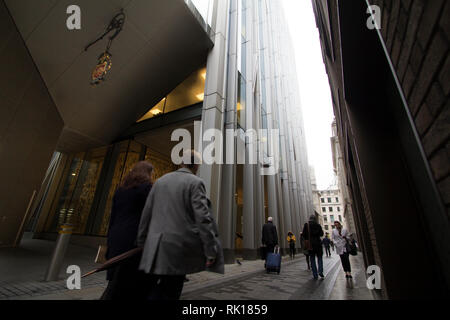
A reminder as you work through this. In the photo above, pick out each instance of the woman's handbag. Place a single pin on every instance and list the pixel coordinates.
(307, 242)
(351, 247)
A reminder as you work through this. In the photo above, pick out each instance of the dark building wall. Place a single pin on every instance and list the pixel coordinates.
(394, 193)
(417, 35)
(30, 126)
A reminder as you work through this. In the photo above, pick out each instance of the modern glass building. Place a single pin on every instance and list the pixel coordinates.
(193, 65)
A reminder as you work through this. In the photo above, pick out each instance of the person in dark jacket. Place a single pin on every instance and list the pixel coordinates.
(269, 236)
(128, 203)
(305, 250)
(312, 231)
(326, 244)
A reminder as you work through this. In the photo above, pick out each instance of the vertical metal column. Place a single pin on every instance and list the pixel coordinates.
(58, 254)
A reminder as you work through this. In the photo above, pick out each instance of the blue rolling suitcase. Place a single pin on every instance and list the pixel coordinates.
(273, 263)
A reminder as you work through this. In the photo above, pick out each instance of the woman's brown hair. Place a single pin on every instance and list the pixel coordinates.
(141, 173)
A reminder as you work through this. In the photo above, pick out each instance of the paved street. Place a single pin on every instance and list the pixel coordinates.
(294, 283)
(23, 271)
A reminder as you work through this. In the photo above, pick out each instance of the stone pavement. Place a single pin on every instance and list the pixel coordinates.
(22, 271)
(294, 283)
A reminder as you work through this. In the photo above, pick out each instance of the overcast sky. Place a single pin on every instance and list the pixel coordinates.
(314, 88)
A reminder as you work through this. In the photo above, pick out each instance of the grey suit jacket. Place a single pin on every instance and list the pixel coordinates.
(177, 230)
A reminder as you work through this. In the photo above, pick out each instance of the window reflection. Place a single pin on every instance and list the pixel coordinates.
(241, 101)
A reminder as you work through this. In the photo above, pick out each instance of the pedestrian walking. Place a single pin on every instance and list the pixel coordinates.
(127, 205)
(312, 232)
(305, 250)
(269, 236)
(177, 231)
(332, 246)
(340, 238)
(291, 240)
(326, 244)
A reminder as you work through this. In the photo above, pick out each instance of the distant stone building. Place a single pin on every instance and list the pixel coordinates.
(330, 207)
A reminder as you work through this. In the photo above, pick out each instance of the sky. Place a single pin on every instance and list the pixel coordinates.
(314, 88)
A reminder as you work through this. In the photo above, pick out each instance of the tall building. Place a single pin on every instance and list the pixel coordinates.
(388, 68)
(341, 176)
(190, 65)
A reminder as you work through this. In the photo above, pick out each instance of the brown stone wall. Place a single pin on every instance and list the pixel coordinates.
(417, 35)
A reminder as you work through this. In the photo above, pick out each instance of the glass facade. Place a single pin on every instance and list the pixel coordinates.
(89, 181)
(241, 105)
(239, 205)
(130, 153)
(77, 194)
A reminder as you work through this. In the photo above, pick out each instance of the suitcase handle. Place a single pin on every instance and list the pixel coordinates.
(276, 250)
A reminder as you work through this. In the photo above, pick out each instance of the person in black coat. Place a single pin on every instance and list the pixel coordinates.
(312, 231)
(326, 243)
(127, 206)
(269, 236)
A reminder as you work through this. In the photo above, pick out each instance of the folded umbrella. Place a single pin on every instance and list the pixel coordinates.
(115, 261)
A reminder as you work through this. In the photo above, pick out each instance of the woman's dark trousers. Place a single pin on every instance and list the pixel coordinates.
(345, 259)
(128, 283)
(292, 251)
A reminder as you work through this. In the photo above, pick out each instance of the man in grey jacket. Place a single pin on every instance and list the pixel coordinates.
(177, 232)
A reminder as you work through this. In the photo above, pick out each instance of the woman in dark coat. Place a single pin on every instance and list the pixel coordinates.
(128, 203)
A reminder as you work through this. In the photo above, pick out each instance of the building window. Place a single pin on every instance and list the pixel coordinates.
(337, 199)
(241, 101)
(324, 209)
(332, 218)
(190, 92)
(330, 209)
(322, 200)
(339, 209)
(326, 227)
(325, 218)
(340, 218)
(329, 200)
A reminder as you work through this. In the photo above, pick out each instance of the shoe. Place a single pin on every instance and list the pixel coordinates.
(321, 275)
(315, 278)
(350, 277)
(346, 276)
